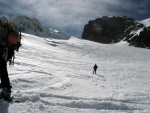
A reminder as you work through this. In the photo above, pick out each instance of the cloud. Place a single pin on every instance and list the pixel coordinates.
(71, 15)
(131, 6)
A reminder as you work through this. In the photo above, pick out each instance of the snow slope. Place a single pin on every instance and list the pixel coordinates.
(55, 76)
(145, 22)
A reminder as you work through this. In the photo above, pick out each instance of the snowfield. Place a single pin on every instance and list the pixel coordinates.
(56, 76)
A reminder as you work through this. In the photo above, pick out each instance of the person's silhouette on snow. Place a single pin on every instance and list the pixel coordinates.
(95, 68)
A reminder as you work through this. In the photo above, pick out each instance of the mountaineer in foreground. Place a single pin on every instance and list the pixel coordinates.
(10, 37)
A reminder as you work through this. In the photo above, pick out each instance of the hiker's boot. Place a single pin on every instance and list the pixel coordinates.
(6, 93)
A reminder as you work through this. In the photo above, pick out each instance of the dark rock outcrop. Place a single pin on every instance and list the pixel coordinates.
(142, 40)
(114, 29)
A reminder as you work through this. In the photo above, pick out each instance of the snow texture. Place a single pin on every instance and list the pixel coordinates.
(55, 76)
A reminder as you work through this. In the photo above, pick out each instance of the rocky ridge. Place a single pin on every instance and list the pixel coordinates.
(115, 29)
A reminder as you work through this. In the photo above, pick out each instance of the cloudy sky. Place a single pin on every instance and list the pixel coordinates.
(71, 15)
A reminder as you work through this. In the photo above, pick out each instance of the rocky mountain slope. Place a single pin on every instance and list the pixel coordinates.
(33, 26)
(115, 29)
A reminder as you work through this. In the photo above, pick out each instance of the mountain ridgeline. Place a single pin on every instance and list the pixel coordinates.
(33, 26)
(115, 29)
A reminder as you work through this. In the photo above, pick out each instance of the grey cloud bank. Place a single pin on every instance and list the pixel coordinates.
(71, 15)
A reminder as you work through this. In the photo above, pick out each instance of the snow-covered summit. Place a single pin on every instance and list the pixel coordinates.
(33, 26)
(146, 22)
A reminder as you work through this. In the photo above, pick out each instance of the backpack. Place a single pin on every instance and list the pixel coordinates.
(10, 39)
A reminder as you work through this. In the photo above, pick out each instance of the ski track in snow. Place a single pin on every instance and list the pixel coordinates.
(55, 76)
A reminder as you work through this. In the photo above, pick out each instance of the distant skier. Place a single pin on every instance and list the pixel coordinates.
(95, 68)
